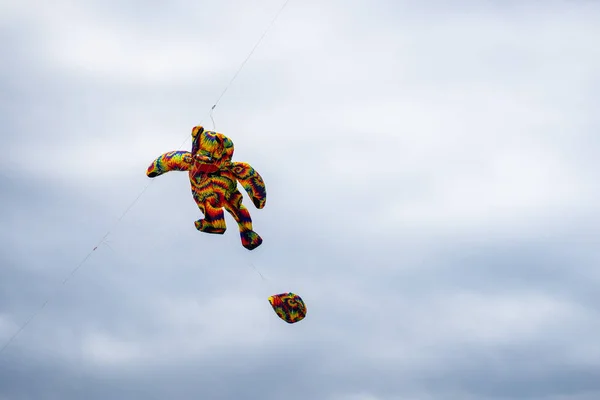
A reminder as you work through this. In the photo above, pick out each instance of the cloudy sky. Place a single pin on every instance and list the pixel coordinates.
(432, 184)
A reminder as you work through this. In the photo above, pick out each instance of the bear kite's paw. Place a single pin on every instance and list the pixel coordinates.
(250, 239)
(206, 227)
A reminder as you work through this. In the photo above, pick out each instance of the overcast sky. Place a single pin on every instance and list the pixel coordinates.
(431, 170)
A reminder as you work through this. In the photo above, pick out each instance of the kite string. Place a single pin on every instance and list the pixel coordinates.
(212, 119)
(73, 271)
(250, 54)
(257, 271)
(132, 204)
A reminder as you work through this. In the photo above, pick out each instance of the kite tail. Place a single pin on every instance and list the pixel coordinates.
(171, 161)
(251, 181)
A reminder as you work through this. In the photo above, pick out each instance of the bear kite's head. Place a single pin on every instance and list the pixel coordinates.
(211, 147)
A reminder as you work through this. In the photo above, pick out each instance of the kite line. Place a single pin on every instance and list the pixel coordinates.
(134, 202)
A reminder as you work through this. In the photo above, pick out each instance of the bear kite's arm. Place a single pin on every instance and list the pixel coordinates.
(171, 161)
(251, 181)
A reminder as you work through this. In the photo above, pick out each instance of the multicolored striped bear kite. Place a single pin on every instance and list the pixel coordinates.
(213, 178)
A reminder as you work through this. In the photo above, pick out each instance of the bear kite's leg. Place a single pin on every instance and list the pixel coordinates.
(240, 213)
(214, 219)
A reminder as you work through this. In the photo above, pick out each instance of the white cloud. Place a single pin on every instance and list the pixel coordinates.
(7, 328)
(101, 348)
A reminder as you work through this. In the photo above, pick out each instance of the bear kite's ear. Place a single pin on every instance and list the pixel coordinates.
(197, 130)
